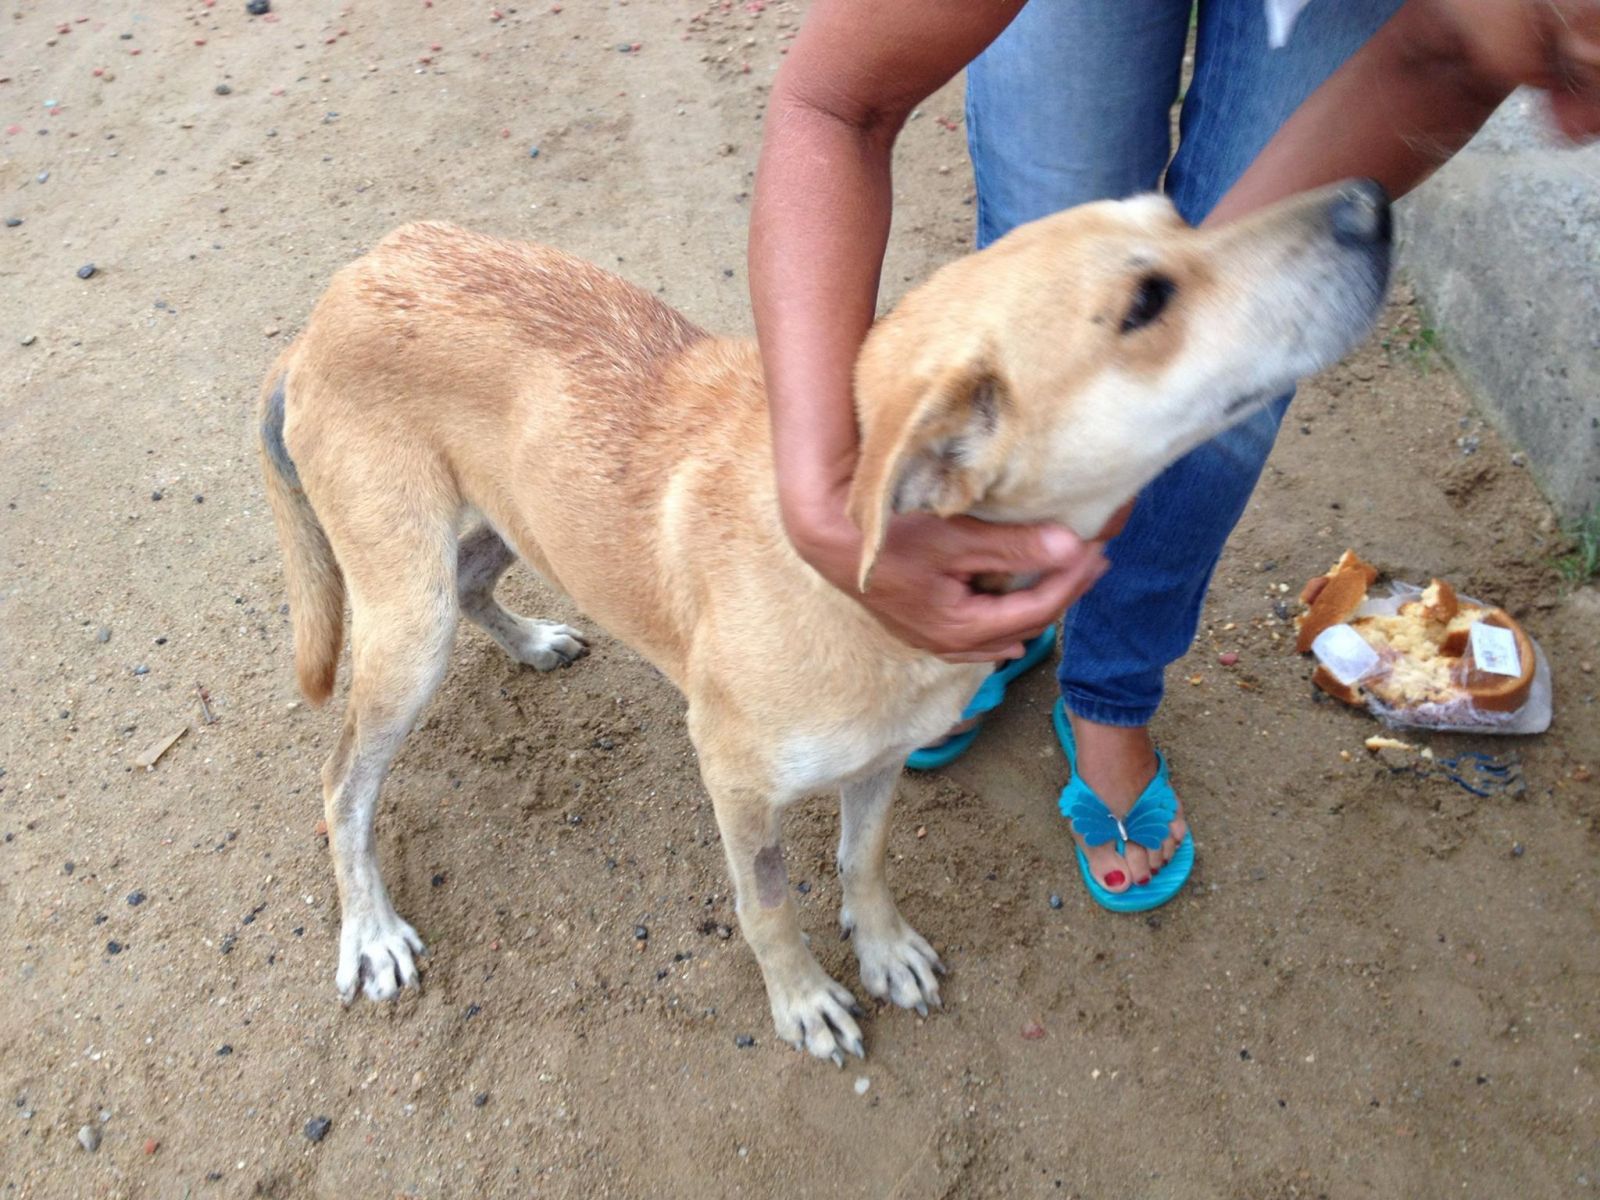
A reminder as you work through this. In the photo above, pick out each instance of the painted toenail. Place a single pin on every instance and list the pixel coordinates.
(1115, 878)
(1144, 881)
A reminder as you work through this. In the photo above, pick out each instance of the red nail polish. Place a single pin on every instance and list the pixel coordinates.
(1144, 881)
(1114, 878)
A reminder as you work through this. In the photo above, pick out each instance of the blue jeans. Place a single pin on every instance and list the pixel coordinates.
(1071, 104)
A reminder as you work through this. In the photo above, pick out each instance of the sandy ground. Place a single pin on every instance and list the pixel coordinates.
(1378, 984)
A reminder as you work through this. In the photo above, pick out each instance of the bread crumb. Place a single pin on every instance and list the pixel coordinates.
(1377, 742)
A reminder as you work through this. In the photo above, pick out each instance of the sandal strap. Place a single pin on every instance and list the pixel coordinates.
(993, 689)
(1146, 823)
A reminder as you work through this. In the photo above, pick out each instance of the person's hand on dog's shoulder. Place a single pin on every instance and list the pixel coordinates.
(922, 587)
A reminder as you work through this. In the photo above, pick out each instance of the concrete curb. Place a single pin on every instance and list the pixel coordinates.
(1503, 248)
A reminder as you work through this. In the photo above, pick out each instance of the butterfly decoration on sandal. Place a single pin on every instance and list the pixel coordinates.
(1147, 824)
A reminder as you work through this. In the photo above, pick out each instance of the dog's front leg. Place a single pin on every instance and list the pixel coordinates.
(896, 961)
(812, 1011)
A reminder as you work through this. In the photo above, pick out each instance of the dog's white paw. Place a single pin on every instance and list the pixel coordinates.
(544, 645)
(898, 964)
(817, 1014)
(376, 955)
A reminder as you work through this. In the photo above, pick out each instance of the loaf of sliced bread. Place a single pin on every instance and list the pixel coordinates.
(1424, 650)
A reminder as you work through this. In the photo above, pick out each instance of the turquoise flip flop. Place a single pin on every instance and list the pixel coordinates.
(1145, 825)
(986, 699)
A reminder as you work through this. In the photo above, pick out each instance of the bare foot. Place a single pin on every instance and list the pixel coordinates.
(1117, 764)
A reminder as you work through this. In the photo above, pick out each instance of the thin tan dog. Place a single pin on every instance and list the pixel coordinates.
(448, 381)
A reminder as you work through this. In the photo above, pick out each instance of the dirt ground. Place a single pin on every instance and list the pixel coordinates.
(1378, 983)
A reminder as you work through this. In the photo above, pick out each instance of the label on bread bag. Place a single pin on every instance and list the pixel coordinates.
(1494, 649)
(1345, 653)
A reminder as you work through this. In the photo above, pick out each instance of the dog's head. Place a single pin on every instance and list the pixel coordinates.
(1054, 374)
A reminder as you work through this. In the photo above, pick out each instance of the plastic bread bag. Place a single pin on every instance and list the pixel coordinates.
(1423, 686)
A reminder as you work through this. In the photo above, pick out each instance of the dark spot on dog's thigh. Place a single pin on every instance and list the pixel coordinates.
(272, 435)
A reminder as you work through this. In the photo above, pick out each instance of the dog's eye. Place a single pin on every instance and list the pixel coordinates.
(1149, 302)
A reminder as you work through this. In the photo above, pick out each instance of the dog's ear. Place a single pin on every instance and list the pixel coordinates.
(923, 449)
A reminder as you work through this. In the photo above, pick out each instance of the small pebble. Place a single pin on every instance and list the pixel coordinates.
(1517, 850)
(151, 1145)
(862, 1084)
(135, 899)
(744, 1041)
(223, 89)
(224, 1050)
(480, 1100)
(155, 495)
(86, 271)
(533, 152)
(641, 932)
(114, 947)
(103, 634)
(89, 1138)
(141, 669)
(1228, 659)
(317, 1128)
(13, 222)
(257, 8)
(42, 177)
(1055, 900)
(29, 339)
(1032, 1031)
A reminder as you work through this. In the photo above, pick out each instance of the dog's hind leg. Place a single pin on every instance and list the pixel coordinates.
(896, 961)
(403, 610)
(542, 644)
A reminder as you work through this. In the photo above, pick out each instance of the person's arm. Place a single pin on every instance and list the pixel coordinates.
(817, 238)
(1421, 87)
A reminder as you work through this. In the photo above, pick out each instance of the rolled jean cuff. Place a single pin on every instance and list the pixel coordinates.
(1091, 708)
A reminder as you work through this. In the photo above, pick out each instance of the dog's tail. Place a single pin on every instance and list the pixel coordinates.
(316, 585)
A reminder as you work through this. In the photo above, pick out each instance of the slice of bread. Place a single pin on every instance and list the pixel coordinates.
(1332, 598)
(1499, 693)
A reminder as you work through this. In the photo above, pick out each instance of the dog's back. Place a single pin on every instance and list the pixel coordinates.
(451, 371)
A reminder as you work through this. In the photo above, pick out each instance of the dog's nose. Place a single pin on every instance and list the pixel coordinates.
(1360, 214)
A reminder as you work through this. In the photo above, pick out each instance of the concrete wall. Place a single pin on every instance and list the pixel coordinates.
(1503, 246)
